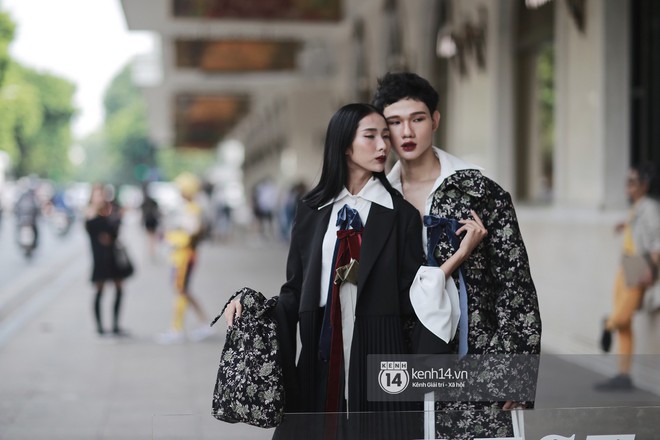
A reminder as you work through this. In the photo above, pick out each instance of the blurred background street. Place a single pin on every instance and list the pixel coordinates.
(555, 99)
(63, 381)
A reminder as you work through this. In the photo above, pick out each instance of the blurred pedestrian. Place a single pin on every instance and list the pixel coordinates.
(183, 237)
(102, 221)
(288, 209)
(641, 249)
(151, 217)
(264, 199)
(222, 215)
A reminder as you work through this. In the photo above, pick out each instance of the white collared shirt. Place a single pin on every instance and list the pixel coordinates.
(373, 192)
(433, 295)
(449, 164)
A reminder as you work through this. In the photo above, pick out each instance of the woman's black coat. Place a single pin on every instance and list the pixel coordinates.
(390, 256)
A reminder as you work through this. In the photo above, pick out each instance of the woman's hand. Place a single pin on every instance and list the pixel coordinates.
(474, 231)
(233, 310)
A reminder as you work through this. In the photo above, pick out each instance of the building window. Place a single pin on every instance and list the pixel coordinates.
(535, 104)
(645, 141)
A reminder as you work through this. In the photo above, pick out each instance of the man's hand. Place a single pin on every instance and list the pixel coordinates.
(509, 405)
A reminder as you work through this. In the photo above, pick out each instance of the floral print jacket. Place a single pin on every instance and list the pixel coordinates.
(503, 312)
(502, 304)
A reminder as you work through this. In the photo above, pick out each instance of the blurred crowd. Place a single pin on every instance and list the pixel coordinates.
(268, 213)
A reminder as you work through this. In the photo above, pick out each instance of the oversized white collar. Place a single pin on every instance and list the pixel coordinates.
(373, 192)
(449, 165)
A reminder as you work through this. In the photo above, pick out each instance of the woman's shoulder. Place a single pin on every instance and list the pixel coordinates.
(306, 212)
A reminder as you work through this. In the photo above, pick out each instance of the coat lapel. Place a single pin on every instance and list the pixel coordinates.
(315, 229)
(376, 232)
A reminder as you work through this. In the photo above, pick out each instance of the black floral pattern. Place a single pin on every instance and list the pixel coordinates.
(249, 387)
(503, 312)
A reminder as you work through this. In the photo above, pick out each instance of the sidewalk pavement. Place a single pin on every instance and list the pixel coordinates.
(60, 380)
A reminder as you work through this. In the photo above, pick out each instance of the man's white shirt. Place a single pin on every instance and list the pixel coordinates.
(433, 294)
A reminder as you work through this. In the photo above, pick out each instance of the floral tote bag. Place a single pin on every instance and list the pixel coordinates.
(250, 386)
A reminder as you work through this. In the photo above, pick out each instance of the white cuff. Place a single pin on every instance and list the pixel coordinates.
(435, 301)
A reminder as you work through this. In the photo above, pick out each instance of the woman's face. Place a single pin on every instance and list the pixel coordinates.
(98, 196)
(370, 147)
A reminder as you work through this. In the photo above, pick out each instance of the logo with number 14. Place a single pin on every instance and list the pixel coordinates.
(393, 377)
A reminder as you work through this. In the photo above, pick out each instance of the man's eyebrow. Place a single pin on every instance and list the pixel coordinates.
(411, 114)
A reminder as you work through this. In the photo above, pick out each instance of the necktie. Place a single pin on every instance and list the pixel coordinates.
(347, 247)
(435, 226)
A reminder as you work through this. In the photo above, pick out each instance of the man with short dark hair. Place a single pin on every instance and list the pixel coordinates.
(502, 315)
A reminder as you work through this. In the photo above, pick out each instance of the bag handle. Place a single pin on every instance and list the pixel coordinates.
(268, 304)
(240, 292)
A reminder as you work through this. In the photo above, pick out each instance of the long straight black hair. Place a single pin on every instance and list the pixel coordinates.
(339, 137)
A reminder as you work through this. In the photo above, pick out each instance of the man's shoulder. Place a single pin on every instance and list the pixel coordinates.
(473, 182)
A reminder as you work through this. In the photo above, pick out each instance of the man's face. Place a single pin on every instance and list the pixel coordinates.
(411, 128)
(635, 188)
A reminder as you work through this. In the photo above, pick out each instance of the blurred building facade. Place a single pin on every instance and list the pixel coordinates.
(554, 98)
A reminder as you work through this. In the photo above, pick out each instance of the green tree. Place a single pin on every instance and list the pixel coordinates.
(49, 146)
(35, 123)
(7, 29)
(35, 114)
(129, 154)
(101, 163)
(174, 161)
(21, 116)
(126, 130)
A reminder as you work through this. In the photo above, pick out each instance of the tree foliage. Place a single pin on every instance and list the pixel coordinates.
(126, 132)
(36, 109)
(49, 146)
(122, 151)
(7, 29)
(35, 127)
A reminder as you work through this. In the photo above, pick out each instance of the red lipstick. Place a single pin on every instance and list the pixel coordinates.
(408, 146)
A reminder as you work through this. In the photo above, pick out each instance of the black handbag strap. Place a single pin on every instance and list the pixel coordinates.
(240, 292)
(266, 305)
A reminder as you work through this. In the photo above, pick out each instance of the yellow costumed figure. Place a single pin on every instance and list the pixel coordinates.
(183, 238)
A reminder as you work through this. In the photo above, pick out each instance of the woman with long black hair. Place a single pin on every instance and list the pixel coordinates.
(355, 249)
